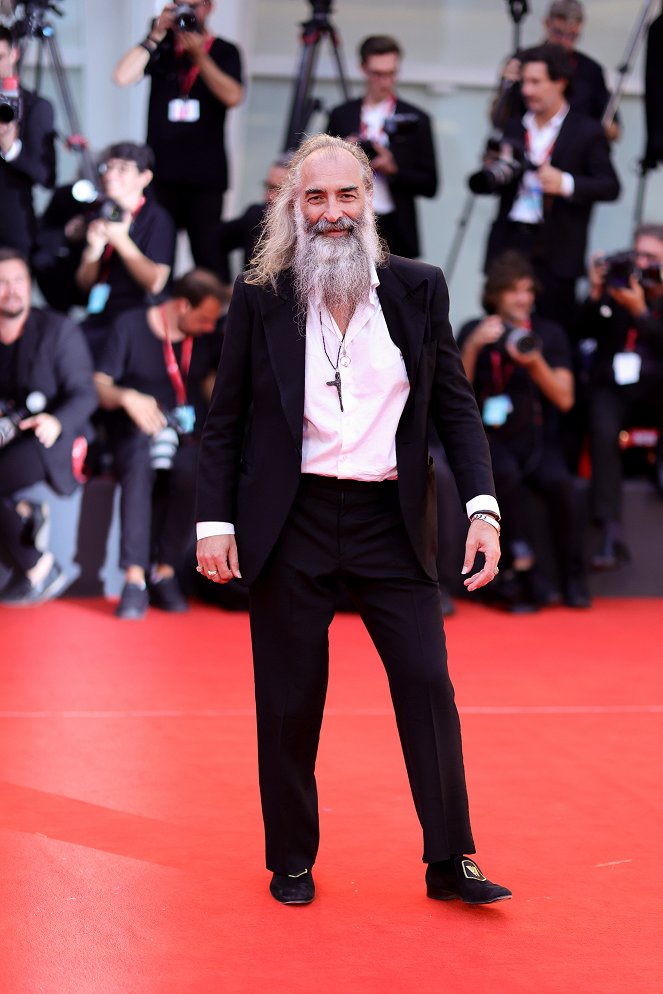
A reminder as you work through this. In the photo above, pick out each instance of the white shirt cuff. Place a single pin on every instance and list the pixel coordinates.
(13, 152)
(206, 529)
(568, 185)
(484, 502)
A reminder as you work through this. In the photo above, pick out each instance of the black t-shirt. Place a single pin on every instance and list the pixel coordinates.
(8, 355)
(134, 357)
(534, 419)
(189, 152)
(153, 231)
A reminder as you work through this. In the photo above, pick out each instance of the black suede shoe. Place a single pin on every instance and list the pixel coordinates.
(576, 593)
(295, 888)
(167, 596)
(460, 877)
(134, 602)
(612, 553)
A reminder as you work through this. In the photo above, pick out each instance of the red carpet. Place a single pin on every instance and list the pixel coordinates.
(130, 837)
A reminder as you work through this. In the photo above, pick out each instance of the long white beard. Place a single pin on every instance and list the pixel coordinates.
(335, 271)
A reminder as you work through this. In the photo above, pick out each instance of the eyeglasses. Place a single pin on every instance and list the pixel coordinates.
(121, 167)
(382, 74)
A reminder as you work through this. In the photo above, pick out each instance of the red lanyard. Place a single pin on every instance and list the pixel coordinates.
(548, 156)
(188, 78)
(631, 340)
(501, 373)
(104, 268)
(177, 372)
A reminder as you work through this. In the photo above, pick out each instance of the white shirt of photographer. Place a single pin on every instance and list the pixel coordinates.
(372, 128)
(358, 443)
(528, 205)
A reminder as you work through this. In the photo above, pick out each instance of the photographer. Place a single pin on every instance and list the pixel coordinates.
(520, 366)
(152, 378)
(244, 231)
(565, 168)
(27, 152)
(128, 257)
(589, 95)
(398, 140)
(624, 316)
(195, 78)
(47, 395)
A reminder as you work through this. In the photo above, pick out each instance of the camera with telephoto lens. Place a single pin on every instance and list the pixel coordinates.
(621, 267)
(521, 339)
(11, 415)
(10, 101)
(185, 19)
(505, 162)
(164, 445)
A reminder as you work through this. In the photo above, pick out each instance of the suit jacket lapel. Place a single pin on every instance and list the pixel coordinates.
(286, 345)
(404, 308)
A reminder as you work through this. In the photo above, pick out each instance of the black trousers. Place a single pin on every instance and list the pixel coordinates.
(196, 210)
(157, 510)
(612, 408)
(517, 470)
(21, 465)
(350, 532)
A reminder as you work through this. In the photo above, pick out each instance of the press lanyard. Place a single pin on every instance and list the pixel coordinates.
(501, 374)
(188, 78)
(104, 268)
(177, 372)
(631, 340)
(548, 155)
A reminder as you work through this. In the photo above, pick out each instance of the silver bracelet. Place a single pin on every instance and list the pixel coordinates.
(488, 518)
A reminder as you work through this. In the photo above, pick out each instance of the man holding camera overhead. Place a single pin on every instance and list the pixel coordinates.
(195, 79)
(27, 153)
(624, 317)
(397, 139)
(553, 167)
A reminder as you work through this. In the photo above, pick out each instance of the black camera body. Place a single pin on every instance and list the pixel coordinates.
(185, 18)
(523, 340)
(399, 125)
(12, 415)
(506, 163)
(10, 101)
(621, 267)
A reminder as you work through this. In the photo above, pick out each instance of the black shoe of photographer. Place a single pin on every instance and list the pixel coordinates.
(612, 554)
(21, 592)
(507, 592)
(165, 594)
(576, 593)
(296, 888)
(459, 878)
(36, 525)
(537, 589)
(134, 602)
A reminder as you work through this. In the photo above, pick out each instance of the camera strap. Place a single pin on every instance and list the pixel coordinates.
(177, 372)
(188, 77)
(501, 372)
(631, 340)
(104, 268)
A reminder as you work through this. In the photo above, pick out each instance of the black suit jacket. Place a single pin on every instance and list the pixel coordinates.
(250, 461)
(414, 153)
(35, 164)
(582, 150)
(53, 358)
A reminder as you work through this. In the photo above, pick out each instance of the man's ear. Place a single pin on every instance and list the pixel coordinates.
(147, 176)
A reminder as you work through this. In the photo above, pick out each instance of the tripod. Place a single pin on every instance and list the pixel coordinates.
(303, 104)
(34, 26)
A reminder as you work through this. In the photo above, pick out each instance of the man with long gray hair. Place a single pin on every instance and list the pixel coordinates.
(314, 470)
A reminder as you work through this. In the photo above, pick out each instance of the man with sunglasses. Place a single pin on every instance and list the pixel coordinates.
(195, 79)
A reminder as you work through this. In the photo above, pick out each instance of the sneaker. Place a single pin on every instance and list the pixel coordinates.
(36, 526)
(22, 593)
(134, 602)
(165, 594)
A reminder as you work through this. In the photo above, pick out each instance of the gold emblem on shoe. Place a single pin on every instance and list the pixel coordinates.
(471, 871)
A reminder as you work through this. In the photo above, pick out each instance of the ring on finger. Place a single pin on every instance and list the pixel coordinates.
(212, 572)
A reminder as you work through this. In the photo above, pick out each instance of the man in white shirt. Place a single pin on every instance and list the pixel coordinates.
(315, 452)
(545, 209)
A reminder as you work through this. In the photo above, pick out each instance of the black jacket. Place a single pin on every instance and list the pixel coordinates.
(54, 359)
(250, 462)
(582, 150)
(414, 153)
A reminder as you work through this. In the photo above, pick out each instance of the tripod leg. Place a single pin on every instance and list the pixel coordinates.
(340, 69)
(640, 198)
(302, 104)
(80, 147)
(461, 227)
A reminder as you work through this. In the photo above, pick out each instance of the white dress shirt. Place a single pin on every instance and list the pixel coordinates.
(528, 205)
(359, 442)
(373, 117)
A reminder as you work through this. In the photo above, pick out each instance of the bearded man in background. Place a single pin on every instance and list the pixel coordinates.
(315, 472)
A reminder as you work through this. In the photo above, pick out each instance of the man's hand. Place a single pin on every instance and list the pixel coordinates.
(631, 297)
(46, 427)
(97, 236)
(551, 179)
(163, 23)
(217, 558)
(511, 71)
(522, 358)
(117, 232)
(144, 411)
(193, 44)
(9, 133)
(487, 332)
(384, 162)
(481, 537)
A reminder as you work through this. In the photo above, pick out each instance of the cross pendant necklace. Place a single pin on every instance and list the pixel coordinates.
(336, 382)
